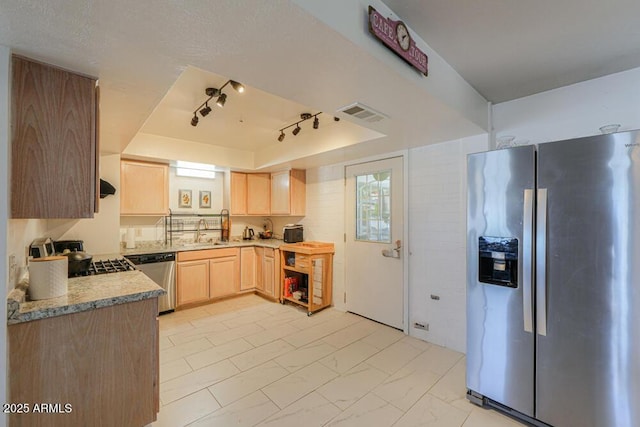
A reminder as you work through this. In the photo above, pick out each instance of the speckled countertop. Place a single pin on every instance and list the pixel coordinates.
(159, 248)
(90, 292)
(84, 293)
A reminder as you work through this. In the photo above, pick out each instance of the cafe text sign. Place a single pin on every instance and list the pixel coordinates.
(395, 35)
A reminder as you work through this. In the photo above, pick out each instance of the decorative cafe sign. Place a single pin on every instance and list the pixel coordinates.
(395, 35)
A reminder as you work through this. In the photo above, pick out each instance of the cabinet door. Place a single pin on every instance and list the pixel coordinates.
(192, 283)
(247, 268)
(143, 188)
(269, 275)
(258, 194)
(259, 269)
(298, 193)
(224, 278)
(238, 193)
(280, 202)
(53, 146)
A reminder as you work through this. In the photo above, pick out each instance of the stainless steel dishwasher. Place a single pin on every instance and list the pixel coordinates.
(160, 267)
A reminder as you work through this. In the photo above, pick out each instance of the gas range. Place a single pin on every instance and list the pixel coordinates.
(109, 266)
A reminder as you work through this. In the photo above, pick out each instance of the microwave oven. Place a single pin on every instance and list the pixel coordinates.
(293, 233)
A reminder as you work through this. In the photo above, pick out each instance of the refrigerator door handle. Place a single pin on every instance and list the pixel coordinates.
(527, 255)
(541, 262)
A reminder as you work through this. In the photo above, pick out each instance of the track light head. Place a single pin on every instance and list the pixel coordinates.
(296, 130)
(212, 91)
(194, 120)
(221, 100)
(281, 137)
(316, 122)
(237, 86)
(206, 110)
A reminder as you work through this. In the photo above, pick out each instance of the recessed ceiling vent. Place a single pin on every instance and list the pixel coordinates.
(362, 112)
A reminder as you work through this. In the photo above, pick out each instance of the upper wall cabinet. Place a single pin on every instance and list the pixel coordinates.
(144, 188)
(54, 153)
(288, 193)
(280, 193)
(250, 193)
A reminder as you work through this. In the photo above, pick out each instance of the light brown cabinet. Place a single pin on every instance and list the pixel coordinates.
(54, 152)
(307, 274)
(288, 192)
(193, 277)
(247, 268)
(258, 194)
(267, 271)
(238, 193)
(224, 273)
(250, 193)
(207, 274)
(271, 272)
(144, 188)
(95, 361)
(279, 193)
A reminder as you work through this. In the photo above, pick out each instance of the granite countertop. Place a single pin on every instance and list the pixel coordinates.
(159, 248)
(84, 293)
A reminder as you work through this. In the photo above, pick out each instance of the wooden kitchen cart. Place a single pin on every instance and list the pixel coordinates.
(306, 277)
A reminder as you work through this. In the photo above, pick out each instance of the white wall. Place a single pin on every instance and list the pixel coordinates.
(437, 242)
(572, 111)
(5, 99)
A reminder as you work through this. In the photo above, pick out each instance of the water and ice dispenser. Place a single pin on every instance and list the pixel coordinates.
(498, 261)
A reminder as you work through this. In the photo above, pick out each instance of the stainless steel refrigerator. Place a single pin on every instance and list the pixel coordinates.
(553, 281)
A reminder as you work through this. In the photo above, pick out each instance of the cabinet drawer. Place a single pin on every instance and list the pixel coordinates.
(302, 261)
(195, 255)
(269, 252)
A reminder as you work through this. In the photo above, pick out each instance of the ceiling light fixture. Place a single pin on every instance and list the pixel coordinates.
(213, 92)
(206, 110)
(297, 129)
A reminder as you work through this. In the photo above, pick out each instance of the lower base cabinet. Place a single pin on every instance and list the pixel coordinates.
(207, 274)
(94, 368)
(193, 277)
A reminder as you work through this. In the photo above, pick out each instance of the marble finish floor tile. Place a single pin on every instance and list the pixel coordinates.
(242, 384)
(294, 386)
(246, 412)
(314, 409)
(248, 361)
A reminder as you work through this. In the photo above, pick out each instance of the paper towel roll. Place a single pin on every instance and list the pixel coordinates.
(131, 238)
(48, 277)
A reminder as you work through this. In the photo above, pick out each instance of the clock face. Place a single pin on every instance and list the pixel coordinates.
(404, 39)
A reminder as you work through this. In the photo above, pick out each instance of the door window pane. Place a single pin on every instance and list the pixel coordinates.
(373, 207)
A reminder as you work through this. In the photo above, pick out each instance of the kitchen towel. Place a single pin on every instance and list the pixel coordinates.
(48, 277)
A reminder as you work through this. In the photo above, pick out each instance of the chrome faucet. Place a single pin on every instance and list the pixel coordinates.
(199, 232)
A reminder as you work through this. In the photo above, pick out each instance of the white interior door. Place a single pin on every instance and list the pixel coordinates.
(374, 233)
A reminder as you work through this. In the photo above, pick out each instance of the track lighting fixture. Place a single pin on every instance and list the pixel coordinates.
(221, 100)
(206, 110)
(213, 92)
(297, 129)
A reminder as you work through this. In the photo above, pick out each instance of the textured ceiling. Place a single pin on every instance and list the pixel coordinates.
(509, 49)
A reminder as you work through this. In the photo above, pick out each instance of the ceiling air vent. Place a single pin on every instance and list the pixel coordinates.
(362, 112)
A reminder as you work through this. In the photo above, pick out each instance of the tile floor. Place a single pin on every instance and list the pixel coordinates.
(251, 362)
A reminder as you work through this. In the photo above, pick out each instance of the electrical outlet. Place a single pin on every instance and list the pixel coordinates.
(13, 269)
(423, 326)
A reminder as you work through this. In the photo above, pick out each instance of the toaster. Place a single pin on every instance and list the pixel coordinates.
(293, 233)
(41, 247)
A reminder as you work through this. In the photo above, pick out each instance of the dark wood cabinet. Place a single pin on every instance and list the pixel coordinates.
(54, 154)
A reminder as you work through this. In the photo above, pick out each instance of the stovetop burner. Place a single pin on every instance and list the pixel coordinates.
(111, 266)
